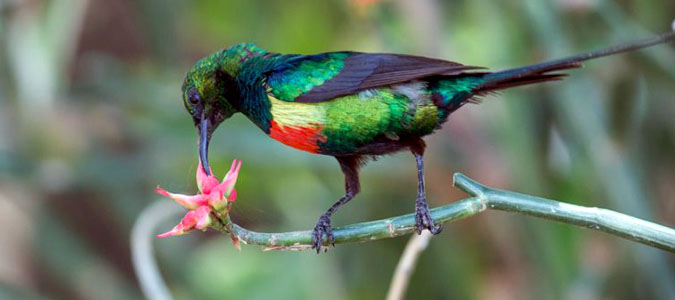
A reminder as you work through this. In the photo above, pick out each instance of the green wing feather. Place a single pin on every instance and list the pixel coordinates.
(327, 76)
(297, 75)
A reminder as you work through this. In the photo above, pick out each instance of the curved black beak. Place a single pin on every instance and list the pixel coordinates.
(204, 138)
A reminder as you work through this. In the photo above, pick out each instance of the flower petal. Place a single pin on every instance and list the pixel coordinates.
(199, 218)
(233, 196)
(205, 182)
(176, 231)
(185, 226)
(188, 201)
(231, 176)
(202, 216)
(217, 198)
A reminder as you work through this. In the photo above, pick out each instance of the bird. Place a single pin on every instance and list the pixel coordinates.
(351, 105)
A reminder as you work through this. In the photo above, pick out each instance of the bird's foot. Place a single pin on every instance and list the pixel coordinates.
(322, 226)
(423, 218)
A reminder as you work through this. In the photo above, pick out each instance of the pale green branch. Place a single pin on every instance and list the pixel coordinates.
(484, 198)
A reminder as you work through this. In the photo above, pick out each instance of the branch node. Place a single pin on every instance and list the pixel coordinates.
(391, 229)
(469, 186)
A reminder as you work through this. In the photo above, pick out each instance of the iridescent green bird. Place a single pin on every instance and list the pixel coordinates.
(351, 105)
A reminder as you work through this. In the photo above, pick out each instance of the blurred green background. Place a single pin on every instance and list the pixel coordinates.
(91, 120)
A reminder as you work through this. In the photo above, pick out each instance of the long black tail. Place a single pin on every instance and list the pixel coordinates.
(545, 71)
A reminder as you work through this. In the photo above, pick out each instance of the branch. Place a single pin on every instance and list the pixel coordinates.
(142, 254)
(484, 198)
(406, 265)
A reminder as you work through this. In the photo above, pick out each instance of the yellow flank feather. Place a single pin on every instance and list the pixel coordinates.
(297, 114)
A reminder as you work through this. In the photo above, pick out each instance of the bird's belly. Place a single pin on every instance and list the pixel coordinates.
(350, 125)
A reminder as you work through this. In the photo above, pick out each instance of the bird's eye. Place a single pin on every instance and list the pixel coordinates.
(193, 97)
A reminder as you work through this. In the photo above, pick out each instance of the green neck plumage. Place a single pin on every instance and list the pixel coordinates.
(247, 63)
(236, 56)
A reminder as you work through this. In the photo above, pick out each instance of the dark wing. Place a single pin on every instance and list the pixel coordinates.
(324, 77)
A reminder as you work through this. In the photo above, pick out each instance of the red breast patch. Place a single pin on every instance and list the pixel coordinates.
(303, 138)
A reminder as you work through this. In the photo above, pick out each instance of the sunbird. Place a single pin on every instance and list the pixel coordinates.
(353, 106)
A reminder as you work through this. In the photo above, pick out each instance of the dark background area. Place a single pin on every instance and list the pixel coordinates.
(91, 120)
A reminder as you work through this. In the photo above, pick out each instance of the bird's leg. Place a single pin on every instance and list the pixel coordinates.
(349, 166)
(422, 214)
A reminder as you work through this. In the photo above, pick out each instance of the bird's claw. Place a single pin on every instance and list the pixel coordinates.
(423, 218)
(322, 226)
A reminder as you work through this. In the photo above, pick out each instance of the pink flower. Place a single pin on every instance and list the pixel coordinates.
(213, 197)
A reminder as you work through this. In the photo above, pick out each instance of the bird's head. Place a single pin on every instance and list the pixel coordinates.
(211, 94)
